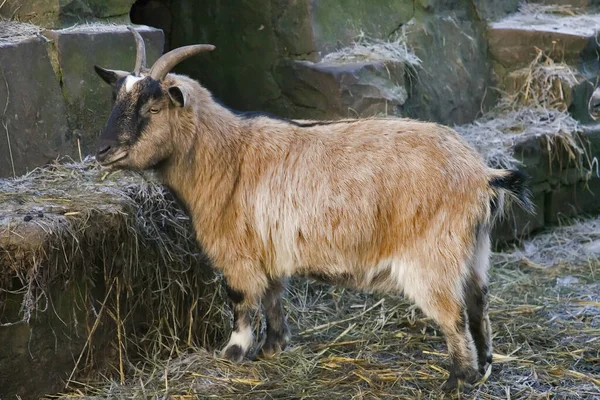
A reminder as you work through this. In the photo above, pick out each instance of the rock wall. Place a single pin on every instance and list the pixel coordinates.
(59, 13)
(57, 106)
(259, 44)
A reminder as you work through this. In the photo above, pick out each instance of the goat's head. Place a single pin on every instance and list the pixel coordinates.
(138, 132)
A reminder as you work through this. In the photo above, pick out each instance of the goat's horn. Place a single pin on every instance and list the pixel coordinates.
(140, 58)
(167, 61)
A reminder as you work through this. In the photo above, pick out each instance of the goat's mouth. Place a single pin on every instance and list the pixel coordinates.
(112, 159)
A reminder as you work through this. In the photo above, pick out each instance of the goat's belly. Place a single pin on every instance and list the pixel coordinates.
(392, 275)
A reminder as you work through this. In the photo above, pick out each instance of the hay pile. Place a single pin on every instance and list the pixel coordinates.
(496, 132)
(366, 49)
(546, 10)
(11, 31)
(535, 109)
(70, 224)
(346, 344)
(544, 83)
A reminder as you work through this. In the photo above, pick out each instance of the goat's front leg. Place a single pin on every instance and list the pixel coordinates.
(241, 337)
(245, 286)
(277, 330)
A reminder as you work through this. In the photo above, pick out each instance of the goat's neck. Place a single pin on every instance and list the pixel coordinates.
(204, 169)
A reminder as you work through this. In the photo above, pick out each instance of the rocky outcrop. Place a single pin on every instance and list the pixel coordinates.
(58, 13)
(255, 66)
(333, 91)
(33, 113)
(513, 40)
(57, 106)
(452, 87)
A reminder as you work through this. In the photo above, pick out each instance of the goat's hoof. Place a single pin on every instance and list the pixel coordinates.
(272, 347)
(485, 364)
(467, 377)
(233, 353)
(451, 384)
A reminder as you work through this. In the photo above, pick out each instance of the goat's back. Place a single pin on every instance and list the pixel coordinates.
(349, 195)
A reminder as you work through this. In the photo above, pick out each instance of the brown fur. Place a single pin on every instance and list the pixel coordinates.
(388, 204)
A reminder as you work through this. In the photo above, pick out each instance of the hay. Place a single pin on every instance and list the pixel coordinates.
(365, 49)
(347, 344)
(551, 19)
(11, 31)
(495, 134)
(68, 223)
(95, 27)
(537, 108)
(541, 9)
(544, 83)
(575, 244)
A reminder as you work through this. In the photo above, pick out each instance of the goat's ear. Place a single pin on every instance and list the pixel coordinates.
(110, 76)
(177, 96)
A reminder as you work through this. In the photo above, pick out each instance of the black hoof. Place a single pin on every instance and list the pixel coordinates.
(451, 384)
(233, 353)
(467, 377)
(484, 364)
(272, 347)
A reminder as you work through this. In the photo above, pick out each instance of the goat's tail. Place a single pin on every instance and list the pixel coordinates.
(514, 184)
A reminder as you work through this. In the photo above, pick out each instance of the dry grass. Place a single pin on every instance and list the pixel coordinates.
(495, 134)
(556, 9)
(92, 27)
(545, 313)
(535, 107)
(544, 83)
(374, 50)
(70, 224)
(11, 31)
(553, 18)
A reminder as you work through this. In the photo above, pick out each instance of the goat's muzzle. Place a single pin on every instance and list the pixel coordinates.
(108, 154)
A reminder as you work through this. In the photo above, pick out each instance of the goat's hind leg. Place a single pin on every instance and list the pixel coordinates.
(479, 323)
(277, 330)
(446, 308)
(477, 302)
(461, 349)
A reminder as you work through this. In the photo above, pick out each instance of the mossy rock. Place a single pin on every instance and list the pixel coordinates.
(339, 23)
(452, 86)
(56, 13)
(330, 91)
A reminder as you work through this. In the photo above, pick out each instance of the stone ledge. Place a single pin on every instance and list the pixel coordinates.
(513, 40)
(57, 106)
(344, 90)
(31, 107)
(57, 13)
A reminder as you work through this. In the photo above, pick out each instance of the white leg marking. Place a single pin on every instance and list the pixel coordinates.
(242, 338)
(482, 256)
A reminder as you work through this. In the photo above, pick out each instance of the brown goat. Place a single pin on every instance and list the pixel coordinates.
(392, 205)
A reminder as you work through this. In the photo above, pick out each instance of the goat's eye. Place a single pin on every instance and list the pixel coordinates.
(154, 110)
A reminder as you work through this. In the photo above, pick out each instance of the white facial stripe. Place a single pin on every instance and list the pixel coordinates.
(130, 81)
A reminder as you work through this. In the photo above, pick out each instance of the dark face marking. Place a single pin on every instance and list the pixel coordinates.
(129, 117)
